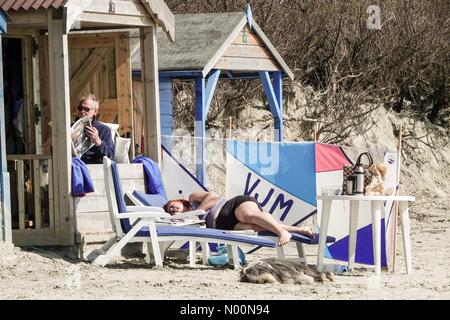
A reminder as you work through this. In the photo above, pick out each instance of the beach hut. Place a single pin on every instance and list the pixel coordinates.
(210, 47)
(57, 51)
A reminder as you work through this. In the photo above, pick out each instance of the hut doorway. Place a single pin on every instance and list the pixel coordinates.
(30, 186)
(98, 63)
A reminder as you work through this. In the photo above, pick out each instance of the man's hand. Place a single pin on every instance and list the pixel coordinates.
(93, 135)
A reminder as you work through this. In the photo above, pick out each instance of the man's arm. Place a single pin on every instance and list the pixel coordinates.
(107, 147)
(101, 137)
(207, 200)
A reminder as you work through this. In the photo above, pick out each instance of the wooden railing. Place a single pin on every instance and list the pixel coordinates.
(31, 191)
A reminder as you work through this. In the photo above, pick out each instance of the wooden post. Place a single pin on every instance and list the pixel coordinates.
(316, 130)
(397, 192)
(60, 115)
(123, 85)
(28, 96)
(44, 94)
(150, 81)
(5, 205)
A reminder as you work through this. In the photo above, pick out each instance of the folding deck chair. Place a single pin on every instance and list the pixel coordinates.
(152, 225)
(139, 198)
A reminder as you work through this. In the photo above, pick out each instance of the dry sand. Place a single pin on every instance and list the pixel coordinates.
(39, 274)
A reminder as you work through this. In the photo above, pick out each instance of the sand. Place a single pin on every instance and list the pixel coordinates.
(41, 274)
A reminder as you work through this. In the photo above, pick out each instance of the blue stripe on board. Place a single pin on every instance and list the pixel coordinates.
(364, 247)
(294, 163)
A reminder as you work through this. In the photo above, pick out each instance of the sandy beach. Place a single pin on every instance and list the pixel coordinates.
(41, 274)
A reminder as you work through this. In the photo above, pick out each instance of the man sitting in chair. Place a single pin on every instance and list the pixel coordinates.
(99, 133)
(238, 213)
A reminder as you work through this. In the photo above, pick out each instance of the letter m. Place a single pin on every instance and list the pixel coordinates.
(279, 202)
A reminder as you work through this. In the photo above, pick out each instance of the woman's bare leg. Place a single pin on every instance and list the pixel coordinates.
(248, 226)
(305, 230)
(249, 213)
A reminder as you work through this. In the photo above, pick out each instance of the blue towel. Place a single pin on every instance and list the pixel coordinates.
(222, 258)
(153, 179)
(81, 179)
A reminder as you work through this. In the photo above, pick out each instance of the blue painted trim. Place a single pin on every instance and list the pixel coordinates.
(3, 22)
(200, 129)
(278, 88)
(185, 74)
(191, 75)
(166, 106)
(273, 104)
(210, 88)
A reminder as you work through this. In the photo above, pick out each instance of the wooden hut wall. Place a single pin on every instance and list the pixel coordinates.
(138, 112)
(247, 53)
(99, 64)
(166, 107)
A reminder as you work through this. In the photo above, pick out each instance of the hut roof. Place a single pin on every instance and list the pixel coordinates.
(31, 4)
(157, 9)
(201, 40)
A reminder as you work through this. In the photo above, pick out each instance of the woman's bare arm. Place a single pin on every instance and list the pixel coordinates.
(207, 200)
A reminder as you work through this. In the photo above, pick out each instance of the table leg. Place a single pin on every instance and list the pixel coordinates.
(352, 234)
(192, 253)
(205, 253)
(376, 234)
(280, 252)
(326, 209)
(404, 218)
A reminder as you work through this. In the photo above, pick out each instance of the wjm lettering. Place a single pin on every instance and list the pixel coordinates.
(279, 202)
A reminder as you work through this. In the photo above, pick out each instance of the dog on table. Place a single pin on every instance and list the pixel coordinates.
(282, 271)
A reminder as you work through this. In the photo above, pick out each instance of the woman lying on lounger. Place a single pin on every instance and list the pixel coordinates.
(238, 213)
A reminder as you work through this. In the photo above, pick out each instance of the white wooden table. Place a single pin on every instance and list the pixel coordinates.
(376, 208)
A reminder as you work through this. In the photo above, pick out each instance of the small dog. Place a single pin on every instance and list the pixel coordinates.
(282, 271)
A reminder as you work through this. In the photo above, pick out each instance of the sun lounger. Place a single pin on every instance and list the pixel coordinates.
(141, 199)
(146, 224)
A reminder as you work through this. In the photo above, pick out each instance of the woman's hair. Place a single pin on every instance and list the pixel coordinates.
(186, 204)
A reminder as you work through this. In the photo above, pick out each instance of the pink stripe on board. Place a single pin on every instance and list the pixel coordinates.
(329, 158)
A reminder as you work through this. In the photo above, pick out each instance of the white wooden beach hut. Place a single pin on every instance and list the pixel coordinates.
(65, 50)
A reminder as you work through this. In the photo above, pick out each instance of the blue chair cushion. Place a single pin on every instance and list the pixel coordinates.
(121, 205)
(299, 237)
(152, 200)
(207, 233)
